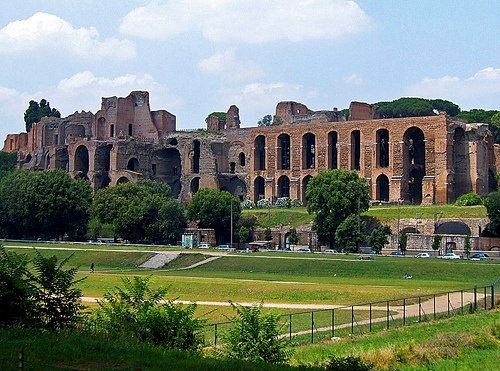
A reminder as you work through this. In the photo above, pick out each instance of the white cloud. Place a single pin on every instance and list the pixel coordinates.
(354, 79)
(48, 35)
(256, 21)
(484, 87)
(226, 65)
(84, 91)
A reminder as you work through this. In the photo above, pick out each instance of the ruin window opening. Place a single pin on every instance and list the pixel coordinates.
(242, 159)
(305, 182)
(260, 153)
(356, 150)
(284, 152)
(195, 157)
(382, 188)
(332, 150)
(382, 148)
(130, 129)
(259, 189)
(111, 130)
(308, 151)
(284, 186)
(133, 164)
(195, 185)
(233, 167)
(153, 169)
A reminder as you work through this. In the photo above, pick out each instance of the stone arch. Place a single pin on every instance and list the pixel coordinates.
(122, 180)
(382, 151)
(195, 157)
(259, 186)
(81, 162)
(454, 227)
(260, 153)
(195, 185)
(308, 151)
(167, 165)
(382, 188)
(305, 182)
(284, 186)
(462, 183)
(332, 150)
(133, 164)
(355, 150)
(283, 152)
(413, 165)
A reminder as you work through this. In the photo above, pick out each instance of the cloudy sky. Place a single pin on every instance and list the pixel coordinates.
(199, 56)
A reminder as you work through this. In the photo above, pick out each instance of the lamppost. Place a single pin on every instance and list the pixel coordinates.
(231, 221)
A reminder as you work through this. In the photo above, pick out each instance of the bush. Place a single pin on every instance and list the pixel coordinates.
(140, 312)
(255, 337)
(284, 202)
(297, 203)
(264, 203)
(469, 199)
(248, 204)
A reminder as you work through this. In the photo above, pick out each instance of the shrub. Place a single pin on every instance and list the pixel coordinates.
(255, 337)
(141, 312)
(297, 203)
(284, 202)
(264, 203)
(469, 199)
(248, 204)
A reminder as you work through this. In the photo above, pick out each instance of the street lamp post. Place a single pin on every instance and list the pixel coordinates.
(399, 217)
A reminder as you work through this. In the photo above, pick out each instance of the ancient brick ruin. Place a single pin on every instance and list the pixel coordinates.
(420, 160)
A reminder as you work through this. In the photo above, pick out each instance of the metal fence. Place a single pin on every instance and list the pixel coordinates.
(323, 324)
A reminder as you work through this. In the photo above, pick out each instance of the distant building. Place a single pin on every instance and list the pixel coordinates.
(420, 160)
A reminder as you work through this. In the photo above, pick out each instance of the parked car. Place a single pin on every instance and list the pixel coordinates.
(424, 255)
(223, 247)
(396, 253)
(451, 255)
(284, 249)
(204, 246)
(373, 252)
(479, 256)
(330, 251)
(304, 249)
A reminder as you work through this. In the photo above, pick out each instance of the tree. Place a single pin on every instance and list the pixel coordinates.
(469, 199)
(492, 203)
(467, 246)
(57, 303)
(333, 195)
(256, 336)
(8, 162)
(36, 111)
(348, 235)
(243, 234)
(211, 208)
(268, 120)
(403, 241)
(293, 237)
(436, 244)
(46, 204)
(380, 237)
(15, 303)
(268, 235)
(139, 211)
(411, 107)
(220, 115)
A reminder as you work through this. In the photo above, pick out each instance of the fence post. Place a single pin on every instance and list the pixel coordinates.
(387, 314)
(492, 296)
(404, 312)
(419, 310)
(475, 297)
(485, 295)
(462, 301)
(215, 335)
(290, 326)
(312, 327)
(352, 320)
(333, 323)
(434, 306)
(448, 303)
(370, 317)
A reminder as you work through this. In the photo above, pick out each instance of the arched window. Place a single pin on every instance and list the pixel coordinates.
(382, 148)
(283, 186)
(242, 159)
(308, 151)
(332, 150)
(355, 150)
(284, 152)
(260, 153)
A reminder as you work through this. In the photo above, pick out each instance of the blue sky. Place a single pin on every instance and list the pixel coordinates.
(199, 56)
